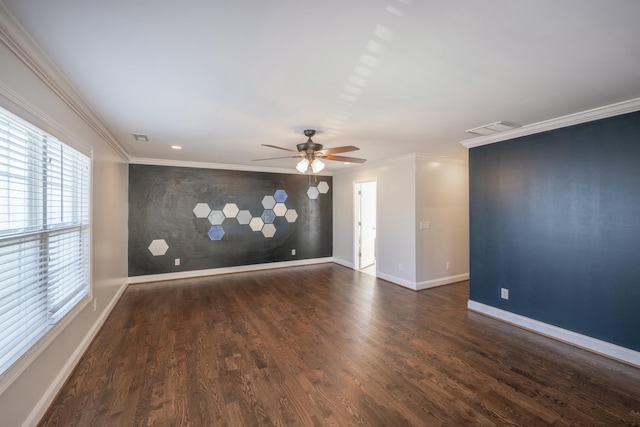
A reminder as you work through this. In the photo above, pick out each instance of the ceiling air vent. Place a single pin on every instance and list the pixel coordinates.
(141, 137)
(492, 128)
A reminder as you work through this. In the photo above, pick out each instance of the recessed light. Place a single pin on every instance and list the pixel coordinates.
(141, 137)
(176, 147)
(347, 163)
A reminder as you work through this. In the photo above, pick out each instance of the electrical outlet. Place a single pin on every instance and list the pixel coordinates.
(293, 251)
(400, 266)
(424, 225)
(448, 265)
(504, 293)
(177, 261)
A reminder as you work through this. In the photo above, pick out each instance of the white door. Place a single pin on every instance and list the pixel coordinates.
(366, 223)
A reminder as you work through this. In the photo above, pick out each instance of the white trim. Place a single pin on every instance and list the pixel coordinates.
(344, 263)
(572, 119)
(225, 270)
(397, 280)
(585, 342)
(441, 281)
(16, 38)
(54, 388)
(206, 165)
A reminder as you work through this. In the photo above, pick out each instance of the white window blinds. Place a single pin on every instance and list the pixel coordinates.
(44, 234)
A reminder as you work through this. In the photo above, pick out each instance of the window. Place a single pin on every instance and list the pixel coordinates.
(44, 234)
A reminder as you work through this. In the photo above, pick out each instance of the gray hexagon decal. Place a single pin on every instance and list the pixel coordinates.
(158, 247)
(216, 232)
(230, 210)
(268, 216)
(268, 202)
(201, 210)
(280, 196)
(256, 224)
(216, 217)
(313, 192)
(291, 215)
(323, 187)
(243, 217)
(269, 230)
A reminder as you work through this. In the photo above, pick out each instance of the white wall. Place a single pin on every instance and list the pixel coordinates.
(395, 241)
(410, 189)
(25, 94)
(442, 199)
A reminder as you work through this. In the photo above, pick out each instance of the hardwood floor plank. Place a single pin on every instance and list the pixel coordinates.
(324, 345)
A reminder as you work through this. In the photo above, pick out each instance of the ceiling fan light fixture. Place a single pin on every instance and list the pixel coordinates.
(317, 165)
(303, 165)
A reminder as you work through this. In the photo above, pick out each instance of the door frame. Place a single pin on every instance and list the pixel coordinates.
(356, 225)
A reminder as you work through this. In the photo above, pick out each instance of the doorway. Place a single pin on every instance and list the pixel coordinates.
(365, 226)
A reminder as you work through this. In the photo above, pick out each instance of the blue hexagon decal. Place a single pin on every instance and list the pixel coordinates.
(268, 216)
(280, 196)
(216, 232)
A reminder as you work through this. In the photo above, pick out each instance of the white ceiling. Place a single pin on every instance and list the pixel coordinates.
(392, 77)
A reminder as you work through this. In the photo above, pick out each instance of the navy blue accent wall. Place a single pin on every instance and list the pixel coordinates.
(161, 210)
(555, 218)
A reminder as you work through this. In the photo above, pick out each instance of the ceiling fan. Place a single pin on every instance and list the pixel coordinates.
(311, 153)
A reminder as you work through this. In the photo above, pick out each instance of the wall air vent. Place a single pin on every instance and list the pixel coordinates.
(492, 128)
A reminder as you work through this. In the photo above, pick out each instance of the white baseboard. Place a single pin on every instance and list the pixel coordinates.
(441, 281)
(225, 270)
(594, 345)
(344, 263)
(54, 388)
(397, 280)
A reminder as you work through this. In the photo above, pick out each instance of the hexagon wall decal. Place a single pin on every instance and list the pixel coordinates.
(313, 192)
(230, 210)
(269, 230)
(256, 224)
(323, 187)
(280, 196)
(268, 216)
(216, 217)
(280, 209)
(158, 247)
(216, 232)
(201, 210)
(243, 217)
(291, 215)
(268, 202)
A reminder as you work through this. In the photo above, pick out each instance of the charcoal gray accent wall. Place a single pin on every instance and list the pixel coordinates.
(161, 203)
(555, 218)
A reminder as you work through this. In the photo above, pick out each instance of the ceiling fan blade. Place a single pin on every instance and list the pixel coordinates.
(279, 148)
(273, 158)
(345, 159)
(336, 150)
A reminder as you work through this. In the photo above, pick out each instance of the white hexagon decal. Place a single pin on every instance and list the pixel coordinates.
(256, 223)
(291, 215)
(158, 247)
(323, 187)
(243, 217)
(313, 192)
(230, 210)
(280, 209)
(216, 217)
(269, 230)
(268, 202)
(201, 210)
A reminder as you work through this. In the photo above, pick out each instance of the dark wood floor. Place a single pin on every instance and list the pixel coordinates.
(325, 345)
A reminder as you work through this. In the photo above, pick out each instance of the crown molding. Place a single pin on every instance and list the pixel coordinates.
(205, 165)
(617, 109)
(16, 38)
